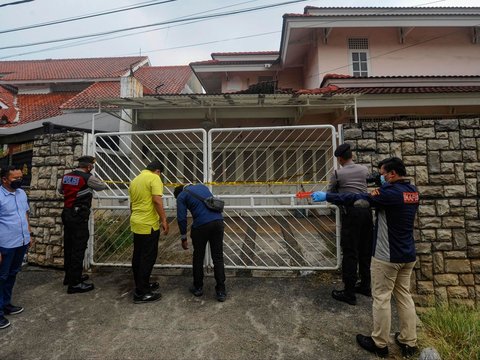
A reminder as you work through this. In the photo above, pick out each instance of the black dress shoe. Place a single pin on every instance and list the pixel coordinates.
(154, 286)
(367, 343)
(359, 289)
(83, 278)
(12, 309)
(341, 295)
(80, 288)
(196, 291)
(146, 298)
(407, 351)
(221, 296)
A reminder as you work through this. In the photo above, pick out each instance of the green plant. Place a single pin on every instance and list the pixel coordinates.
(454, 331)
(112, 234)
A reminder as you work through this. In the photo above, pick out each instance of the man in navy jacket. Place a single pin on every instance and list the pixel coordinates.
(208, 227)
(396, 203)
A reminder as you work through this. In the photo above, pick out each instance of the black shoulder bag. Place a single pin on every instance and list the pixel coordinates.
(211, 202)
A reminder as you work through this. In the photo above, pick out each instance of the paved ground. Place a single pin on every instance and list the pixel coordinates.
(263, 318)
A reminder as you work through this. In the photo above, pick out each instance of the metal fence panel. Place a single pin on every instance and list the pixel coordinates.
(257, 171)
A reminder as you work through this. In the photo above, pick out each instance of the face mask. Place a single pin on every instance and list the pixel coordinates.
(16, 184)
(383, 180)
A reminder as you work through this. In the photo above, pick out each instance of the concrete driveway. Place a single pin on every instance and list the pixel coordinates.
(263, 318)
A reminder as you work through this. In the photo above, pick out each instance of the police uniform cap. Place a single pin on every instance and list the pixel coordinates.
(87, 159)
(342, 149)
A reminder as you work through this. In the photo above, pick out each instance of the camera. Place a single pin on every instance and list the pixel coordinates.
(374, 178)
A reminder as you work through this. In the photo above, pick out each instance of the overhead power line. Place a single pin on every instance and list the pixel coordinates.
(87, 16)
(234, 12)
(16, 3)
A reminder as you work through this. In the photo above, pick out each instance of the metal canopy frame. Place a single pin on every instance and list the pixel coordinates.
(231, 101)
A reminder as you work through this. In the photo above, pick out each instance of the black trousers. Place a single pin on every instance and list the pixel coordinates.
(75, 240)
(356, 243)
(212, 233)
(145, 250)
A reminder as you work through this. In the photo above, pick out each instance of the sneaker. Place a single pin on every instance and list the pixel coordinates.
(12, 309)
(196, 291)
(80, 288)
(154, 286)
(367, 291)
(146, 298)
(221, 296)
(407, 351)
(341, 295)
(367, 343)
(4, 323)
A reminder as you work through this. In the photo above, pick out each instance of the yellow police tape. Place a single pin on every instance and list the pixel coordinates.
(234, 183)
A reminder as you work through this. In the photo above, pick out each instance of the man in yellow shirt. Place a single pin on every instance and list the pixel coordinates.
(147, 213)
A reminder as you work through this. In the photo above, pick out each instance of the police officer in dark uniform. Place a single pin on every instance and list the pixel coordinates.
(357, 226)
(77, 187)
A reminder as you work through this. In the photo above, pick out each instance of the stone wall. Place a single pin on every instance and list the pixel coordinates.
(443, 160)
(53, 155)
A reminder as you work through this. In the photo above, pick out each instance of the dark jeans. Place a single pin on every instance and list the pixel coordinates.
(212, 233)
(9, 267)
(75, 240)
(145, 250)
(356, 243)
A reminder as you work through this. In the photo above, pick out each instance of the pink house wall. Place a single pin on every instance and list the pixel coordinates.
(426, 51)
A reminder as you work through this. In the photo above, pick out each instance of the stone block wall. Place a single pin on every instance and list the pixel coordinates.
(53, 155)
(443, 159)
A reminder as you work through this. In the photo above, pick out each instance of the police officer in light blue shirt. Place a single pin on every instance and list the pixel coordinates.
(14, 237)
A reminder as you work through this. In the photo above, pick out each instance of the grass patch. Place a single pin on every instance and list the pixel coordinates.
(454, 331)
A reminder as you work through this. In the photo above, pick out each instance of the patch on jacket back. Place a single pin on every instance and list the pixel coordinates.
(410, 197)
(71, 180)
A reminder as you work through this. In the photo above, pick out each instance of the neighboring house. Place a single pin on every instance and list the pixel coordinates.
(64, 94)
(379, 55)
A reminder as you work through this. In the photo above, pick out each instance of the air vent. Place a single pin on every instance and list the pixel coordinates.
(358, 44)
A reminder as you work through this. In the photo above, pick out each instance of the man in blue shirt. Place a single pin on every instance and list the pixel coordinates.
(14, 237)
(208, 227)
(394, 256)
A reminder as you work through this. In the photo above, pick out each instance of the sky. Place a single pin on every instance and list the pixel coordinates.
(174, 43)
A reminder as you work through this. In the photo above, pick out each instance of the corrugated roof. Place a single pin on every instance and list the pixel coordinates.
(67, 69)
(163, 79)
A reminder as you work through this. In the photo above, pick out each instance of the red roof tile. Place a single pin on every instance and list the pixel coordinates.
(409, 90)
(33, 107)
(8, 99)
(245, 53)
(87, 99)
(236, 62)
(66, 69)
(163, 79)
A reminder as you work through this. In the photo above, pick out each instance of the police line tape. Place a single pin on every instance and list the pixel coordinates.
(233, 183)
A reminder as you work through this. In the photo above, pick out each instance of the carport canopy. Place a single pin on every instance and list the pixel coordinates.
(292, 107)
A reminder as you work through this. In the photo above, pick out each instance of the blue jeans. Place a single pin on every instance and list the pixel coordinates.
(11, 264)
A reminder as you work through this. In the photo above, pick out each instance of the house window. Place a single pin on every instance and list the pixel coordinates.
(358, 49)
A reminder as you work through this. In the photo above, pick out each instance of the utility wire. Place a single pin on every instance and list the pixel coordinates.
(86, 42)
(234, 12)
(16, 3)
(88, 16)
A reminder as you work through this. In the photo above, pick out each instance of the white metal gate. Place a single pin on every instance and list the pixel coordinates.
(257, 171)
